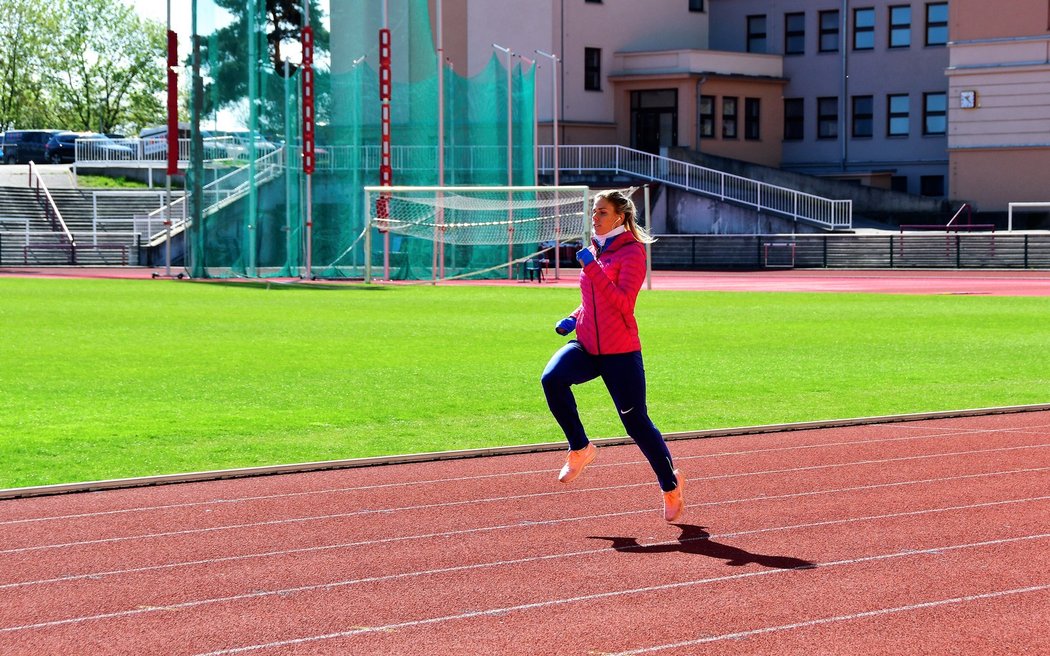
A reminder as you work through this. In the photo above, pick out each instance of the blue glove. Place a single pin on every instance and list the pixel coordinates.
(565, 326)
(585, 257)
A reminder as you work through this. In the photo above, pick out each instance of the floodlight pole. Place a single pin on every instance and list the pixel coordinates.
(438, 267)
(554, 130)
(172, 109)
(510, 156)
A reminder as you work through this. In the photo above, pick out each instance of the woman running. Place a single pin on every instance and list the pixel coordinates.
(607, 345)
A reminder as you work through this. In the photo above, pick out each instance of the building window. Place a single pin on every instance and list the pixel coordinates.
(900, 26)
(752, 118)
(794, 119)
(864, 29)
(729, 118)
(863, 116)
(707, 117)
(696, 5)
(756, 33)
(829, 31)
(934, 113)
(596, 2)
(931, 185)
(827, 118)
(898, 108)
(936, 23)
(794, 34)
(592, 69)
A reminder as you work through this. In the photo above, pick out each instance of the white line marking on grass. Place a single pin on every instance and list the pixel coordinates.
(838, 618)
(297, 520)
(477, 477)
(503, 563)
(606, 595)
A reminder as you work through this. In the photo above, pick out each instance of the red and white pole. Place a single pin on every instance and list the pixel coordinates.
(386, 172)
(309, 156)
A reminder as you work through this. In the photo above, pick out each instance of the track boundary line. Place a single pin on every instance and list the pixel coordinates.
(377, 511)
(501, 563)
(837, 618)
(526, 472)
(435, 456)
(614, 593)
(350, 545)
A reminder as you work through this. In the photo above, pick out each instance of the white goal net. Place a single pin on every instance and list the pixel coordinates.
(471, 231)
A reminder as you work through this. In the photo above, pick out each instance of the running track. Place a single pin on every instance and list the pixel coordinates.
(996, 282)
(922, 537)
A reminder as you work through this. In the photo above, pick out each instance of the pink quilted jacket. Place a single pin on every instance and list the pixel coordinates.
(609, 286)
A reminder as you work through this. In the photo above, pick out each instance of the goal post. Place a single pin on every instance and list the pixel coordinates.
(449, 232)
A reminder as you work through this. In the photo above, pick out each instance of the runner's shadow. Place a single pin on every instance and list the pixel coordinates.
(696, 540)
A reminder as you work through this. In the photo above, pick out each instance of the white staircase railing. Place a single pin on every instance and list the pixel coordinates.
(764, 197)
(617, 160)
(216, 195)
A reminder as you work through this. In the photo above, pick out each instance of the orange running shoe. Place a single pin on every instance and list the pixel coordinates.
(674, 505)
(575, 462)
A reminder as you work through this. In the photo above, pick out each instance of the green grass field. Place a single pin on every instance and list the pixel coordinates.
(105, 379)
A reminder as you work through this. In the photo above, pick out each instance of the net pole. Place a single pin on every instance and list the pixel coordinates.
(367, 214)
(648, 244)
(439, 230)
(510, 157)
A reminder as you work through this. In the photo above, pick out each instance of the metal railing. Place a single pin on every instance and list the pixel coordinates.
(216, 195)
(764, 197)
(618, 160)
(151, 152)
(51, 210)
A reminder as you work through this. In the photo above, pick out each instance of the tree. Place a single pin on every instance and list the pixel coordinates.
(24, 29)
(224, 53)
(113, 67)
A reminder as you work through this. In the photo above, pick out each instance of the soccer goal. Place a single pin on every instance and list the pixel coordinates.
(444, 233)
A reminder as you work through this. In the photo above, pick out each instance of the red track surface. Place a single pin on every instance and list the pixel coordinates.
(889, 281)
(927, 537)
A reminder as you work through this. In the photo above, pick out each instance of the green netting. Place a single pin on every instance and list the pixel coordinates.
(249, 211)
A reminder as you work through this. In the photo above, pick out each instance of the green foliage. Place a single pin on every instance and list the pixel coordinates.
(25, 28)
(224, 61)
(86, 65)
(113, 68)
(105, 379)
(107, 182)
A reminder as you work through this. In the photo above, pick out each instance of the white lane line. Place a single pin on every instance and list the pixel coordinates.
(607, 595)
(502, 563)
(837, 618)
(471, 502)
(346, 545)
(477, 477)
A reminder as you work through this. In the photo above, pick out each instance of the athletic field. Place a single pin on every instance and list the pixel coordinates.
(916, 535)
(123, 378)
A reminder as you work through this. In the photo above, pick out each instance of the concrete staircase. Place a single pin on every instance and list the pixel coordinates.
(102, 225)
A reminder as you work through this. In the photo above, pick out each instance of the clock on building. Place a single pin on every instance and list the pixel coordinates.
(967, 99)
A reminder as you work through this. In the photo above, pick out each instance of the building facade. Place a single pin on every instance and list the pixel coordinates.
(999, 102)
(866, 94)
(931, 97)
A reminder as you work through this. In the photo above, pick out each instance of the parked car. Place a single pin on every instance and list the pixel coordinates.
(61, 148)
(240, 140)
(155, 143)
(24, 146)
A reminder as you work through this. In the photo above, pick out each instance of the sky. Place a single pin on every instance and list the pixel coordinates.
(207, 21)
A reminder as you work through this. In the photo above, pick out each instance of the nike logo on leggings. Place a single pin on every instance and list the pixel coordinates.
(623, 412)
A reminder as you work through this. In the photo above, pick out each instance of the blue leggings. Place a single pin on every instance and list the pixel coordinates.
(624, 376)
